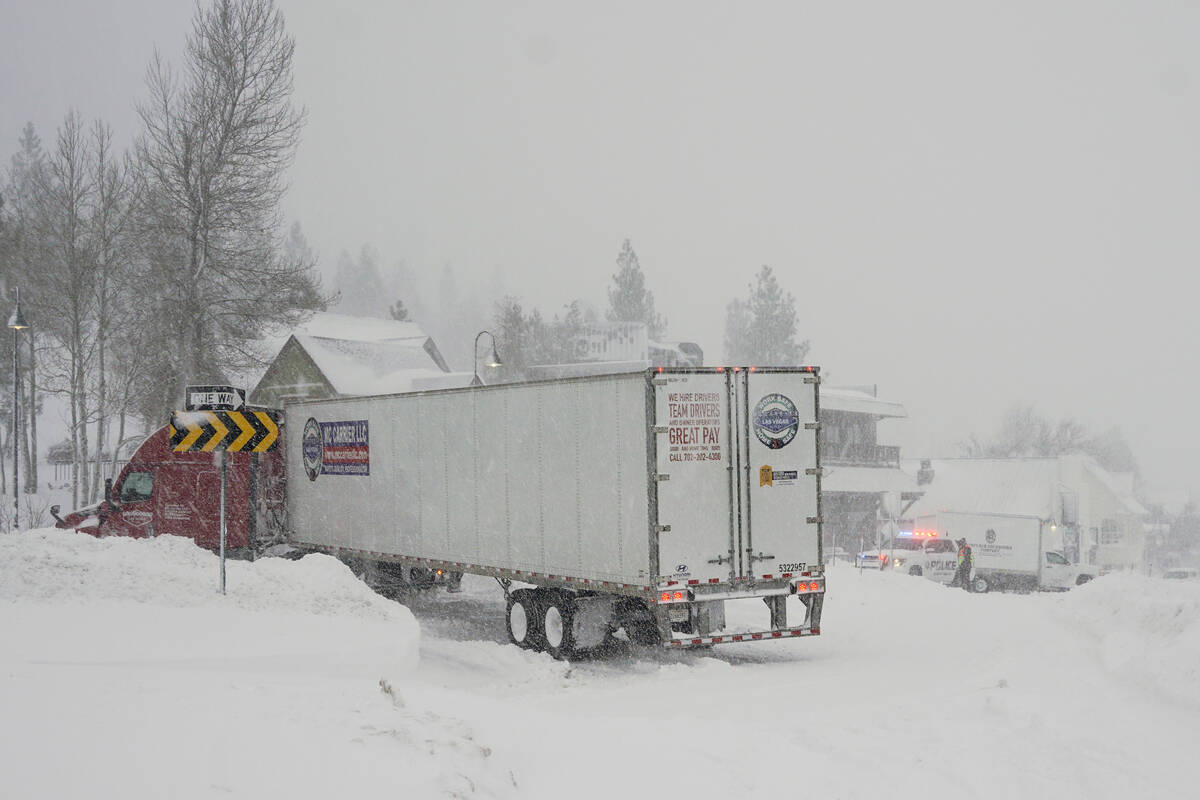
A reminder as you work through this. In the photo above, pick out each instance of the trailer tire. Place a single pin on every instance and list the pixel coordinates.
(522, 620)
(558, 625)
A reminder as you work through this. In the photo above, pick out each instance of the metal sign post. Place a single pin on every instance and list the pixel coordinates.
(224, 460)
(212, 430)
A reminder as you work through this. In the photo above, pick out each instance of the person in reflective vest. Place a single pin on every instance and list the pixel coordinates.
(966, 565)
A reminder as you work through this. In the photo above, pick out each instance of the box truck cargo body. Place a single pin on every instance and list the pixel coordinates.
(1011, 551)
(638, 503)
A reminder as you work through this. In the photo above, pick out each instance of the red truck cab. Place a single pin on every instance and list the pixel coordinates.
(163, 492)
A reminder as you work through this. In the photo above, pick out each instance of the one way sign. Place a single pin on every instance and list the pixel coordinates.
(214, 398)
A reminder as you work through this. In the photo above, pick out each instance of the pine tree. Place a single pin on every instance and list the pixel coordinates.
(761, 330)
(629, 300)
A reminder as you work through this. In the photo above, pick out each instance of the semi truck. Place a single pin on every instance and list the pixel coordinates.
(1011, 551)
(636, 504)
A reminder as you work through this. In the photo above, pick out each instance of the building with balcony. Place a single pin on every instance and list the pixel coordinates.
(864, 492)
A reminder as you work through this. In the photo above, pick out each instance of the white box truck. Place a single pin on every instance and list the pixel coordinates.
(1011, 551)
(640, 501)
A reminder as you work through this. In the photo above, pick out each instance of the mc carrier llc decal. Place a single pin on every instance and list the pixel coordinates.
(336, 448)
(776, 421)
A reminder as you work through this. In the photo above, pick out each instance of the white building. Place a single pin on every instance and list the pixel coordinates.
(1101, 520)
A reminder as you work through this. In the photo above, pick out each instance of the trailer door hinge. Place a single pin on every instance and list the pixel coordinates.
(659, 381)
(814, 471)
(759, 557)
(663, 528)
(662, 476)
(660, 429)
(721, 560)
(812, 426)
(814, 520)
(811, 379)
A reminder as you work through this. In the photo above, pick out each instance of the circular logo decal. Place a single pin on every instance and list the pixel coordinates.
(991, 536)
(776, 421)
(313, 448)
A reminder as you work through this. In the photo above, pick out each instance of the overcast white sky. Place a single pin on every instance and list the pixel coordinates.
(975, 204)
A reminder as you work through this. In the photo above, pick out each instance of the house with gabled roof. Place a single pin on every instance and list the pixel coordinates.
(334, 355)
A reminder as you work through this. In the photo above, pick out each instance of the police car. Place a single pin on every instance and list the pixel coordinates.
(926, 555)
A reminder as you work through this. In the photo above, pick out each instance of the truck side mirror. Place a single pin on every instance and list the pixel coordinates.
(54, 513)
(108, 490)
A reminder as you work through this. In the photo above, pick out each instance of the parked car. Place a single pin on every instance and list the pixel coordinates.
(883, 558)
(936, 559)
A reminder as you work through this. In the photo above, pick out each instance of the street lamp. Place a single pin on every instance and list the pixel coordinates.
(18, 324)
(495, 359)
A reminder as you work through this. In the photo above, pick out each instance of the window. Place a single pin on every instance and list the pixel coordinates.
(1056, 559)
(1110, 532)
(137, 486)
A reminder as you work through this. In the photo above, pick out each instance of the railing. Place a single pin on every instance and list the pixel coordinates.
(851, 454)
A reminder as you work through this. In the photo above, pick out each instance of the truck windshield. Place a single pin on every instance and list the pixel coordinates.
(137, 486)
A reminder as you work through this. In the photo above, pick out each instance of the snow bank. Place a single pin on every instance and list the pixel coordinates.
(1147, 630)
(128, 675)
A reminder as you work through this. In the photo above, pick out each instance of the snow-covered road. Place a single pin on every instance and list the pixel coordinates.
(126, 675)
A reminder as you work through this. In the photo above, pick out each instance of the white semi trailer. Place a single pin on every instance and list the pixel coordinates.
(641, 501)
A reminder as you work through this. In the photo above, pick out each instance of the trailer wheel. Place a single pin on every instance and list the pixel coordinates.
(521, 618)
(558, 625)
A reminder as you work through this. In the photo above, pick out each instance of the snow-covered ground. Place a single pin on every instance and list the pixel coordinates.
(124, 674)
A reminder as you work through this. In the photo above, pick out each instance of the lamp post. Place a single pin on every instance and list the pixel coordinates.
(18, 324)
(494, 362)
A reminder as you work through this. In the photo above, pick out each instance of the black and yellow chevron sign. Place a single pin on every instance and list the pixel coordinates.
(234, 431)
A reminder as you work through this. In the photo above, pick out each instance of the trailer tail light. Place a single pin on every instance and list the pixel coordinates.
(676, 596)
(807, 586)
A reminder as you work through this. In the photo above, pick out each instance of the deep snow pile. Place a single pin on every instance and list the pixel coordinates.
(125, 674)
(128, 675)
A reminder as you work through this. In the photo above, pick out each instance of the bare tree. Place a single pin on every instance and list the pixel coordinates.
(63, 280)
(111, 228)
(216, 144)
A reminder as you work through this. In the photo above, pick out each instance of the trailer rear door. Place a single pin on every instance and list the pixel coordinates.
(695, 459)
(780, 480)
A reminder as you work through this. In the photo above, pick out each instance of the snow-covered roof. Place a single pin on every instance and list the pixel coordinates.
(993, 485)
(1029, 486)
(377, 367)
(836, 398)
(359, 329)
